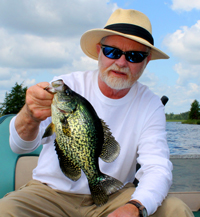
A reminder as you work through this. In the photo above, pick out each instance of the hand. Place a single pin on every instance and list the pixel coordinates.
(127, 210)
(38, 102)
(36, 109)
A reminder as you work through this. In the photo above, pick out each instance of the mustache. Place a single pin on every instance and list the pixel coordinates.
(114, 67)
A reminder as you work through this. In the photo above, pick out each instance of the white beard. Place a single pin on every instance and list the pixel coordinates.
(116, 82)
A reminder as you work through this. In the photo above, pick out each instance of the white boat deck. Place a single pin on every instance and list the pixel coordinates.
(186, 173)
(186, 179)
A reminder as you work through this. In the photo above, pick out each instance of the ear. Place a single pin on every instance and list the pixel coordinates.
(98, 48)
(149, 58)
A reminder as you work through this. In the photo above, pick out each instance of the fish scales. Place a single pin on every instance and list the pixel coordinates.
(81, 138)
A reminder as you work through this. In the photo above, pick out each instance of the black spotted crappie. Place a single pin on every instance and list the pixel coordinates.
(81, 138)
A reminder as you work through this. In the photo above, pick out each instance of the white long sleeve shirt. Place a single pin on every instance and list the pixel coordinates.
(137, 121)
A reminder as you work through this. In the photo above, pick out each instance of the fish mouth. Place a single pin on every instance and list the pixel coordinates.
(59, 109)
(67, 111)
(62, 111)
(50, 89)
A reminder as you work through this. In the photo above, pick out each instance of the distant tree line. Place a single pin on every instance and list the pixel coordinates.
(15, 100)
(181, 116)
(192, 116)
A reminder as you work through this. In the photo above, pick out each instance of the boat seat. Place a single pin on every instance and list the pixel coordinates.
(8, 158)
(16, 170)
(192, 199)
(23, 170)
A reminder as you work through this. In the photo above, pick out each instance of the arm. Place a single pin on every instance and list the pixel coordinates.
(36, 109)
(155, 175)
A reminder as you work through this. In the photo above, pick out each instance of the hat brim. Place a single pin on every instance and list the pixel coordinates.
(92, 37)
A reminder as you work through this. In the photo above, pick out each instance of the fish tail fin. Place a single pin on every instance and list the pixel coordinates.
(106, 185)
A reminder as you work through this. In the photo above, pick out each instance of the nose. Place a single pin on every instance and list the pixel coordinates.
(121, 62)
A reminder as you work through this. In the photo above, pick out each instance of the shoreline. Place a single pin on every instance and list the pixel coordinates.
(184, 156)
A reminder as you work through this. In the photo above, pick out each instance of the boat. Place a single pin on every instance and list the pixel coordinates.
(16, 170)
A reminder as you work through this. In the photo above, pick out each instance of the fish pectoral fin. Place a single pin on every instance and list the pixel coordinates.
(66, 128)
(110, 148)
(49, 130)
(68, 167)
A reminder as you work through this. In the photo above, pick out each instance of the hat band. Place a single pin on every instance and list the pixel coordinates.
(131, 29)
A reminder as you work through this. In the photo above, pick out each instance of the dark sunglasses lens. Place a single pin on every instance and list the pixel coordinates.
(131, 56)
(111, 52)
(135, 57)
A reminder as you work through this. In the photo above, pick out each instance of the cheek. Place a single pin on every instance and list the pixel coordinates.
(137, 68)
(104, 62)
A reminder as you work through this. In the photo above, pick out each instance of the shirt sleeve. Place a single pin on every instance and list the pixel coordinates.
(20, 146)
(155, 174)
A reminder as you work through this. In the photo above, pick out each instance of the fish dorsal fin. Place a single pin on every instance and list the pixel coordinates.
(110, 148)
(49, 130)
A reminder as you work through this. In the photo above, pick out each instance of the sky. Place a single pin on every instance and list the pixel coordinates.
(40, 39)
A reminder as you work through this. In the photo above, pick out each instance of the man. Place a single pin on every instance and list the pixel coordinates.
(135, 116)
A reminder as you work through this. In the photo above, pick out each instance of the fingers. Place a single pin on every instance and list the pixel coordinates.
(38, 101)
(42, 84)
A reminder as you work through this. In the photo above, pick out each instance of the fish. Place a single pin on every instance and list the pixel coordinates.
(81, 138)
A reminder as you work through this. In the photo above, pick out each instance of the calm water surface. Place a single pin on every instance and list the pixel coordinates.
(183, 139)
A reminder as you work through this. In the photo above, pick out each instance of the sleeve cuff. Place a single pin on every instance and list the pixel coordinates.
(19, 145)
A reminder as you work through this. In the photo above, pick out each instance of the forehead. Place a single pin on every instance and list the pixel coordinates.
(124, 43)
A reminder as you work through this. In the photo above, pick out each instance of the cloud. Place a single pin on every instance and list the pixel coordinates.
(56, 18)
(85, 63)
(46, 33)
(82, 64)
(8, 78)
(185, 5)
(43, 37)
(30, 51)
(149, 79)
(181, 97)
(187, 73)
(184, 44)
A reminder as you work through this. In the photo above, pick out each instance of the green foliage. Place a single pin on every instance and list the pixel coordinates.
(190, 117)
(14, 100)
(194, 113)
(181, 116)
(189, 121)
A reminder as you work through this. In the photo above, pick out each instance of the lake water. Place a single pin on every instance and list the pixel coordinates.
(183, 139)
(184, 144)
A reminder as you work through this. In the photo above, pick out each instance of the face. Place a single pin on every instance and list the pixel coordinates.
(120, 74)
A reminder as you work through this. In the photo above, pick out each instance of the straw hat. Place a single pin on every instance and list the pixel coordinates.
(131, 24)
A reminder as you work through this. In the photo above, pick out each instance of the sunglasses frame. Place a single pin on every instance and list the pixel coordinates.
(126, 53)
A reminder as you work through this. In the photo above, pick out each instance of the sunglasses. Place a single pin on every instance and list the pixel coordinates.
(131, 56)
